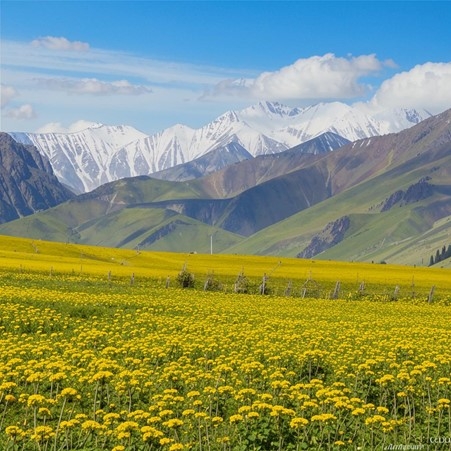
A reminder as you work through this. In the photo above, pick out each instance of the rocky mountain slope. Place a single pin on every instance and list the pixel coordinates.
(27, 182)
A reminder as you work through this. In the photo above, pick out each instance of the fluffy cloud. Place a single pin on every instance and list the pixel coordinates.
(60, 43)
(317, 77)
(425, 86)
(22, 112)
(93, 86)
(7, 93)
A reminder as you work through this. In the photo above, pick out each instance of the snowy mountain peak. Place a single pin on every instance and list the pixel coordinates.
(91, 126)
(229, 116)
(100, 153)
(269, 109)
(275, 108)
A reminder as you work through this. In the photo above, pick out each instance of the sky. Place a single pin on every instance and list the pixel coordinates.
(153, 64)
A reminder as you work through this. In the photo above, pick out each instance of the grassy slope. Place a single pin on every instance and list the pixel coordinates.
(127, 228)
(370, 230)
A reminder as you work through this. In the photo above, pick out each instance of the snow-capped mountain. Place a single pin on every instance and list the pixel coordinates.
(81, 160)
(84, 160)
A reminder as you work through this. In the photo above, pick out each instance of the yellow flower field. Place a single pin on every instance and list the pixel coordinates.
(88, 363)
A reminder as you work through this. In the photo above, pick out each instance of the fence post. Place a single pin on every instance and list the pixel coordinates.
(336, 290)
(362, 287)
(431, 294)
(288, 289)
(263, 285)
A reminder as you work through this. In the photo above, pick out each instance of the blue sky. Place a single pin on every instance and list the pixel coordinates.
(152, 64)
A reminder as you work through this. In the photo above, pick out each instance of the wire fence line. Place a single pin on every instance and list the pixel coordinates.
(267, 285)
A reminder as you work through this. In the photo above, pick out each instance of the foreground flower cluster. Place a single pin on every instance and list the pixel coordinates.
(139, 369)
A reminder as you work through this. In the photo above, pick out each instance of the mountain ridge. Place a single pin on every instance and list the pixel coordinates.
(98, 154)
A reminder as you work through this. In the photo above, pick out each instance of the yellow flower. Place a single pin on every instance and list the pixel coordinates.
(10, 399)
(127, 426)
(35, 400)
(217, 420)
(236, 418)
(42, 433)
(176, 447)
(68, 424)
(374, 420)
(69, 393)
(102, 376)
(298, 422)
(386, 379)
(15, 432)
(244, 409)
(173, 423)
(92, 426)
(150, 432)
(7, 386)
(43, 411)
(324, 417)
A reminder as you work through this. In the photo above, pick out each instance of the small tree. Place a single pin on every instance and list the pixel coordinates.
(211, 283)
(185, 279)
(448, 252)
(437, 256)
(241, 283)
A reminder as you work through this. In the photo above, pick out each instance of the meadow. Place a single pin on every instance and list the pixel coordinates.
(101, 349)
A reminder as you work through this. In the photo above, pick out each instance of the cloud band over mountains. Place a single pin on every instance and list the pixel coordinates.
(36, 73)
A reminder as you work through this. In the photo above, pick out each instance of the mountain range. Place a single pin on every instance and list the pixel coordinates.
(99, 154)
(379, 198)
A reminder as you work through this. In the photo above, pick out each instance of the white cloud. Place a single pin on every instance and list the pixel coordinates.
(57, 127)
(23, 112)
(425, 86)
(317, 77)
(93, 86)
(60, 43)
(7, 93)
(98, 63)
